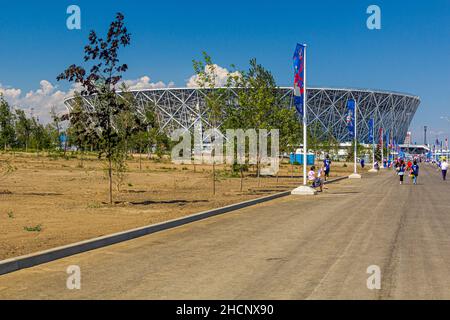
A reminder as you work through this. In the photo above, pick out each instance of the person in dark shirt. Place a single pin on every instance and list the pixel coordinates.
(415, 171)
(401, 168)
(327, 166)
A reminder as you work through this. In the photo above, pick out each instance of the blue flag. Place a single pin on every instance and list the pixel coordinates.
(371, 133)
(350, 119)
(299, 78)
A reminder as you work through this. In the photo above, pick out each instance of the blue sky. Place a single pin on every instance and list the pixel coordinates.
(410, 53)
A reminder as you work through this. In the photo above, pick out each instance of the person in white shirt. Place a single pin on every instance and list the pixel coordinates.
(312, 175)
(444, 168)
(316, 181)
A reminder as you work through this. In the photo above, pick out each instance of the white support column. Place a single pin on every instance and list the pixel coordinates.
(373, 148)
(355, 174)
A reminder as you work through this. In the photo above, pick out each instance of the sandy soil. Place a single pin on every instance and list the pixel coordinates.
(49, 201)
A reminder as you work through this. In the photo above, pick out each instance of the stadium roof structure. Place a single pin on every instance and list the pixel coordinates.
(183, 107)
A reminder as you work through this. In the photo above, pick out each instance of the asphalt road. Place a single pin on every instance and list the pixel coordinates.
(290, 248)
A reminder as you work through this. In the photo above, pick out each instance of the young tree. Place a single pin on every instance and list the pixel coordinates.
(127, 124)
(139, 142)
(149, 136)
(23, 129)
(163, 143)
(55, 129)
(261, 107)
(214, 99)
(105, 73)
(378, 153)
(40, 135)
(291, 132)
(314, 142)
(351, 151)
(7, 134)
(155, 136)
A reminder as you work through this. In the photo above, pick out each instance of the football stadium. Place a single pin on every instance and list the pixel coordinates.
(392, 111)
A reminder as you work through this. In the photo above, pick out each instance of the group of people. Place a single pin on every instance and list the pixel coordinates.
(410, 168)
(317, 180)
(401, 167)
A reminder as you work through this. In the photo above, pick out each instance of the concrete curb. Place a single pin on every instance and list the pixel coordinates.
(31, 260)
(335, 180)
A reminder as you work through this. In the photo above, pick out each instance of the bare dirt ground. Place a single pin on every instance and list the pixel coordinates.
(49, 202)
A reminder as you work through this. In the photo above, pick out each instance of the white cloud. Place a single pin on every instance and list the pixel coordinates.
(221, 74)
(143, 83)
(41, 100)
(10, 93)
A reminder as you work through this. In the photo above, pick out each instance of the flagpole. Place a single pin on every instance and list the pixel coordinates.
(356, 139)
(373, 144)
(303, 189)
(305, 121)
(389, 147)
(382, 148)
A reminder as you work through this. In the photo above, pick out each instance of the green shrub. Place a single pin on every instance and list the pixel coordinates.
(37, 228)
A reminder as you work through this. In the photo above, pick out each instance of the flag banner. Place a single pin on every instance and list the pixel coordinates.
(299, 78)
(350, 119)
(371, 135)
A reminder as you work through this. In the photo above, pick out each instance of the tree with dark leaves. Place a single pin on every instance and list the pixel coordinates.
(102, 56)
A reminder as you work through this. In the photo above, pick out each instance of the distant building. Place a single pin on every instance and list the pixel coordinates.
(408, 139)
(181, 108)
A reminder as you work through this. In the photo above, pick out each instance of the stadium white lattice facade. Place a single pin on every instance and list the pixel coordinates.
(392, 111)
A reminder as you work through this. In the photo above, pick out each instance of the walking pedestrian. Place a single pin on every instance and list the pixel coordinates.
(415, 171)
(444, 168)
(376, 166)
(396, 164)
(401, 170)
(327, 167)
(363, 163)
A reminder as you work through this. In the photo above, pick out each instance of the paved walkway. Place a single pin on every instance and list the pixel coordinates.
(291, 248)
